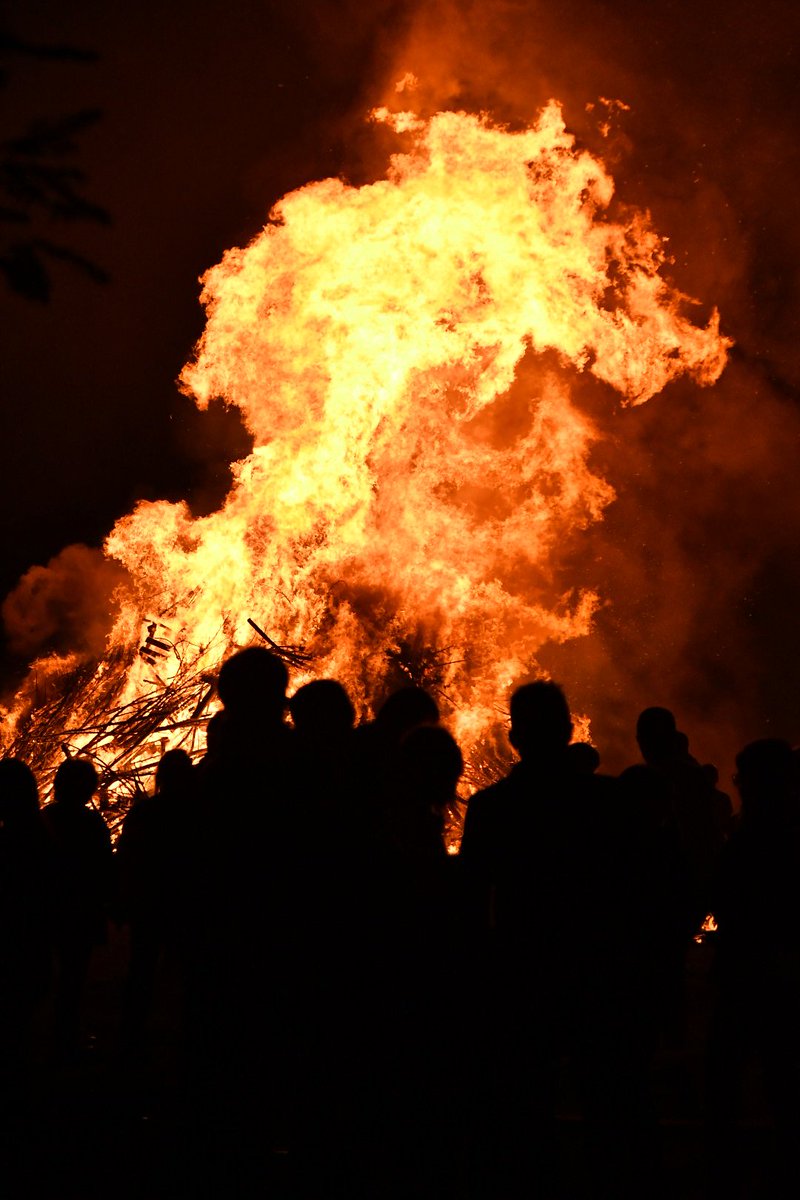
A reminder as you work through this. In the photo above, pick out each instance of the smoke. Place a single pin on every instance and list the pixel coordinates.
(696, 565)
(68, 605)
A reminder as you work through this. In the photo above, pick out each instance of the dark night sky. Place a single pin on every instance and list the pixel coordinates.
(212, 111)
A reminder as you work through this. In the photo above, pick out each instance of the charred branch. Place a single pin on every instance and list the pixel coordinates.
(296, 656)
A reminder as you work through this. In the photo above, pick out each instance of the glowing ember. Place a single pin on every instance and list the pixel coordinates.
(417, 460)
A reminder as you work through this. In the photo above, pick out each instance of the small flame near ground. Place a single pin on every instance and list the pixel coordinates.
(402, 354)
(709, 926)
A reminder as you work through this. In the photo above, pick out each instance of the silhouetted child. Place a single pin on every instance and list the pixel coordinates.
(83, 890)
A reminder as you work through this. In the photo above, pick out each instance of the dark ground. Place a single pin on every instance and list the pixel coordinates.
(99, 1130)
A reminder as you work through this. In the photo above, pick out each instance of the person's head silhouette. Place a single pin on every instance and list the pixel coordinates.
(19, 796)
(252, 685)
(75, 782)
(174, 771)
(322, 711)
(541, 725)
(657, 735)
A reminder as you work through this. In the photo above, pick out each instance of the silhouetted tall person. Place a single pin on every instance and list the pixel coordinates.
(549, 862)
(83, 892)
(244, 858)
(327, 895)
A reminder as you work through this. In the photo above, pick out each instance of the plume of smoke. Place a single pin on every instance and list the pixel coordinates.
(69, 604)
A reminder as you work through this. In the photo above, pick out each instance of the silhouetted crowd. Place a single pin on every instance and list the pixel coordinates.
(394, 1019)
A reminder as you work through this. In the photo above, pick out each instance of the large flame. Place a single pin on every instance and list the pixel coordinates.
(394, 350)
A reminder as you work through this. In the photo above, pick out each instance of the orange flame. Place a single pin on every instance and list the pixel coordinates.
(417, 460)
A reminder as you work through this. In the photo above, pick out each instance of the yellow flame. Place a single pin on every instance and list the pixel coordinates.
(415, 463)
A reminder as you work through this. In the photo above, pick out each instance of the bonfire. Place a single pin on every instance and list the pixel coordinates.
(409, 357)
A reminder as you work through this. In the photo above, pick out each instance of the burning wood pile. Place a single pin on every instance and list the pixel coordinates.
(124, 740)
(78, 713)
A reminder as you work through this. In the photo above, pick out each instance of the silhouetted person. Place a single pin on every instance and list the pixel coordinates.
(663, 920)
(83, 887)
(151, 861)
(425, 981)
(757, 962)
(666, 750)
(377, 743)
(658, 925)
(244, 859)
(332, 821)
(332, 855)
(512, 1043)
(694, 808)
(322, 713)
(547, 860)
(427, 768)
(345, 904)
(26, 901)
(584, 757)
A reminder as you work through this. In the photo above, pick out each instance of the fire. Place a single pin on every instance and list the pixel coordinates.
(401, 353)
(709, 926)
